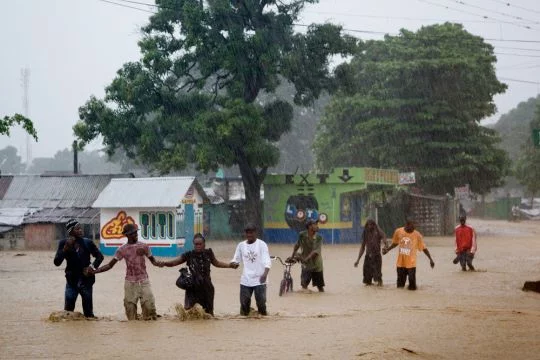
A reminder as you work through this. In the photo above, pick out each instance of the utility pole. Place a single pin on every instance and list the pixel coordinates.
(75, 157)
(25, 83)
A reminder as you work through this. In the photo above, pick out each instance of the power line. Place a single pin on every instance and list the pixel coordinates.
(521, 55)
(530, 67)
(523, 65)
(487, 39)
(514, 48)
(460, 2)
(146, 4)
(520, 68)
(515, 6)
(352, 30)
(127, 6)
(521, 81)
(393, 17)
(158, 6)
(304, 25)
(365, 32)
(482, 16)
(514, 40)
(344, 14)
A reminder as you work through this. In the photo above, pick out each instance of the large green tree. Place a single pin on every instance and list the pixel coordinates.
(414, 102)
(528, 164)
(193, 96)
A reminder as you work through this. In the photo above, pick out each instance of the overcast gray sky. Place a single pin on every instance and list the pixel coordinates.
(74, 47)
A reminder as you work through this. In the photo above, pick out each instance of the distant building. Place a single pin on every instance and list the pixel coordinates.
(35, 208)
(227, 220)
(341, 200)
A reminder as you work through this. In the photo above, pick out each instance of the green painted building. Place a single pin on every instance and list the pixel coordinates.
(341, 200)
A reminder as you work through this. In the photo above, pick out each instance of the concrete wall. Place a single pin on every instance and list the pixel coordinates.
(43, 236)
(12, 240)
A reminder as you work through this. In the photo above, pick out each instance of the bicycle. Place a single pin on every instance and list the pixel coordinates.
(286, 284)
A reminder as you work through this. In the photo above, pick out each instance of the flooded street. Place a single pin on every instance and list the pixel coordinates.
(478, 315)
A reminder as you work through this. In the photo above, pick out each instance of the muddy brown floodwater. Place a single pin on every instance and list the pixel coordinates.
(453, 314)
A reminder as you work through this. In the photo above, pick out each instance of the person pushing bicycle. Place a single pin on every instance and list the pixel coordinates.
(310, 243)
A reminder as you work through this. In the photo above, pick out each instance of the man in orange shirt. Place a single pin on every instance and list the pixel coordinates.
(409, 241)
(465, 244)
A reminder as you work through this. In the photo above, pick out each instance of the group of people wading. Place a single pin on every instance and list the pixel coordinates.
(254, 256)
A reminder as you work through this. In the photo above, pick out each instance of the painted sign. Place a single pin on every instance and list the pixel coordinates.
(382, 176)
(157, 225)
(407, 178)
(301, 208)
(463, 192)
(168, 231)
(113, 228)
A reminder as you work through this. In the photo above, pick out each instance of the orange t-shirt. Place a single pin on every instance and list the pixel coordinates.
(408, 245)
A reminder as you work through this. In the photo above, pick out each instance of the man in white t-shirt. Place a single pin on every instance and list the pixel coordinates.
(253, 253)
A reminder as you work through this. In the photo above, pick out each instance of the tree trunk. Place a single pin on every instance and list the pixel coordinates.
(483, 202)
(252, 181)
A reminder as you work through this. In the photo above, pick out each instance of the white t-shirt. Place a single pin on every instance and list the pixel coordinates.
(255, 258)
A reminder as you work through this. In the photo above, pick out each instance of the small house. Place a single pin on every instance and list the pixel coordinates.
(167, 210)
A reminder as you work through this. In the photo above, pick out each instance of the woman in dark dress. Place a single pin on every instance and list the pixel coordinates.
(198, 261)
(372, 238)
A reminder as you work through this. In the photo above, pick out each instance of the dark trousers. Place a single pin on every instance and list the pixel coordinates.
(314, 277)
(245, 299)
(372, 268)
(402, 274)
(83, 289)
(202, 295)
(466, 258)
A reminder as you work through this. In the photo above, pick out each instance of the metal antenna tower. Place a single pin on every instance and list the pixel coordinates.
(25, 83)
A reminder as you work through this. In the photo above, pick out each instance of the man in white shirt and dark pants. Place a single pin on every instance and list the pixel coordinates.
(253, 253)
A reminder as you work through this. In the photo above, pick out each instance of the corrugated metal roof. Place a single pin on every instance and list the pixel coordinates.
(78, 191)
(159, 192)
(4, 229)
(214, 199)
(14, 216)
(61, 216)
(5, 181)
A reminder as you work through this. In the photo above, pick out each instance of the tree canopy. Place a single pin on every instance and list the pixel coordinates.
(528, 164)
(193, 96)
(10, 161)
(513, 127)
(414, 102)
(8, 121)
